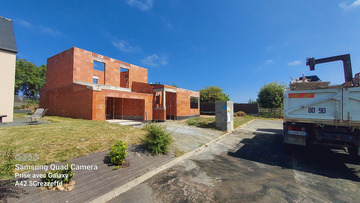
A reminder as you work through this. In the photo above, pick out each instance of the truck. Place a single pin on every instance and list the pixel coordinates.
(316, 113)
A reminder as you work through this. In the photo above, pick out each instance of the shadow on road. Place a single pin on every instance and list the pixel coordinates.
(9, 190)
(266, 147)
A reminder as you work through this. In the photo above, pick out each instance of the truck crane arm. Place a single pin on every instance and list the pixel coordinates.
(311, 62)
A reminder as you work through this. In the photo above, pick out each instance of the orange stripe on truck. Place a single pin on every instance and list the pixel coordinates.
(302, 95)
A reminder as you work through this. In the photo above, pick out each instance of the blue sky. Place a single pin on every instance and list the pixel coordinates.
(236, 45)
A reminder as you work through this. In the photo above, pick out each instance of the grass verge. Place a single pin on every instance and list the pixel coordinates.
(65, 138)
(209, 121)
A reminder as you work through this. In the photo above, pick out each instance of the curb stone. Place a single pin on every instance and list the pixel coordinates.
(124, 188)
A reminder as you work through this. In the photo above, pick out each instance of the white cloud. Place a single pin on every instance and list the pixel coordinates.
(294, 63)
(155, 60)
(344, 4)
(36, 28)
(124, 46)
(24, 23)
(143, 5)
(270, 61)
(48, 30)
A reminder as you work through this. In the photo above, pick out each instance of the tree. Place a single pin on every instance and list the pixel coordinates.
(29, 78)
(252, 101)
(213, 94)
(271, 95)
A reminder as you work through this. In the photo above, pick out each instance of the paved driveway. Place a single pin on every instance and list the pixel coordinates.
(250, 165)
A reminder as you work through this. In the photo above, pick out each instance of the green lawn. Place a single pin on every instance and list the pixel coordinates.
(65, 138)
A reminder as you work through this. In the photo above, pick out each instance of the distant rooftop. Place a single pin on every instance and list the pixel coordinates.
(7, 36)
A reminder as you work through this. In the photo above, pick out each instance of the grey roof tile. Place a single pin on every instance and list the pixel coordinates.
(7, 36)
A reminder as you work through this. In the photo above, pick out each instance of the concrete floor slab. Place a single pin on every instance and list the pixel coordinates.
(125, 122)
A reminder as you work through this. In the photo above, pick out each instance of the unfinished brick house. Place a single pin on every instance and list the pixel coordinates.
(82, 84)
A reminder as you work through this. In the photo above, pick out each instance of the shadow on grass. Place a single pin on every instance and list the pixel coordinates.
(206, 125)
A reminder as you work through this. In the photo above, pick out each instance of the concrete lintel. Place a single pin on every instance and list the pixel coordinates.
(165, 89)
(97, 87)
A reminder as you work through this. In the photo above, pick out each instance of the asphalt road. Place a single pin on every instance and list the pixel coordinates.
(251, 165)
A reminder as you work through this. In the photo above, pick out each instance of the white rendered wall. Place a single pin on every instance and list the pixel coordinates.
(7, 81)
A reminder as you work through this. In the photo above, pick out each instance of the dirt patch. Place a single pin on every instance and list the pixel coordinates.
(187, 138)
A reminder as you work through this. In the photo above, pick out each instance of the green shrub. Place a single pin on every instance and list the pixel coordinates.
(7, 168)
(157, 139)
(240, 114)
(67, 170)
(118, 153)
(17, 107)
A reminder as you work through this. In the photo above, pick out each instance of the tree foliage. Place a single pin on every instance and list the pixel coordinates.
(29, 78)
(252, 101)
(271, 95)
(213, 94)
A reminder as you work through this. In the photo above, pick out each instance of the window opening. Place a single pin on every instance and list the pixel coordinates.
(194, 102)
(157, 99)
(124, 77)
(95, 80)
(99, 66)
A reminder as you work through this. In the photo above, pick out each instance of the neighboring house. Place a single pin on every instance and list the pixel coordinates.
(8, 52)
(82, 84)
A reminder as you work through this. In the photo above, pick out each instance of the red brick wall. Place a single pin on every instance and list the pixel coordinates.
(82, 102)
(141, 87)
(183, 103)
(72, 101)
(83, 69)
(100, 75)
(131, 107)
(159, 114)
(137, 74)
(59, 69)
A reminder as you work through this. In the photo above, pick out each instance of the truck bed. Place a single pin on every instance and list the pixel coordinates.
(333, 105)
